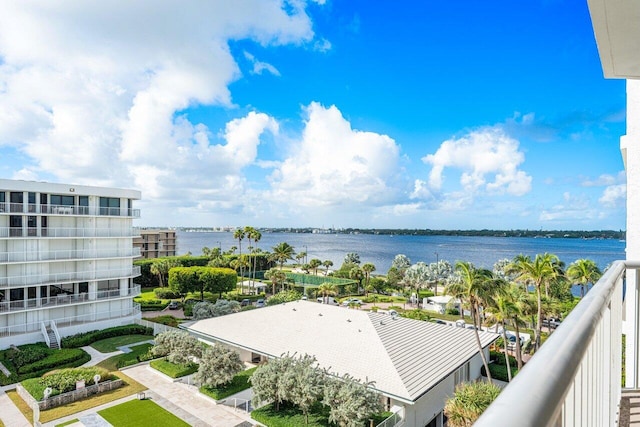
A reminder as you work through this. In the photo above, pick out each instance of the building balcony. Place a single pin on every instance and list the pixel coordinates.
(68, 277)
(64, 299)
(67, 255)
(24, 328)
(22, 208)
(575, 377)
(65, 232)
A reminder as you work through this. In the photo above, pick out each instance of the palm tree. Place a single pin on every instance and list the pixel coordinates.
(327, 289)
(539, 272)
(356, 273)
(239, 234)
(300, 257)
(314, 264)
(277, 277)
(476, 288)
(367, 268)
(501, 311)
(161, 267)
(327, 263)
(584, 271)
(239, 263)
(522, 306)
(282, 252)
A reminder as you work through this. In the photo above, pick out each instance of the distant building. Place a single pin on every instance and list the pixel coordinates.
(414, 365)
(155, 243)
(66, 255)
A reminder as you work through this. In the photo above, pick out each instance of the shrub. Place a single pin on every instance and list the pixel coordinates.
(452, 311)
(238, 383)
(27, 354)
(86, 338)
(164, 320)
(64, 380)
(50, 359)
(54, 360)
(174, 370)
(499, 372)
(499, 358)
(165, 293)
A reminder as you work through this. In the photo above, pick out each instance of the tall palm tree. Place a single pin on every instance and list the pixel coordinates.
(238, 264)
(277, 277)
(522, 306)
(584, 271)
(282, 252)
(239, 234)
(327, 263)
(476, 288)
(539, 272)
(327, 289)
(367, 268)
(314, 264)
(501, 311)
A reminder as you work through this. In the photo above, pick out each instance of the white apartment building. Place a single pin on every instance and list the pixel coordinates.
(66, 254)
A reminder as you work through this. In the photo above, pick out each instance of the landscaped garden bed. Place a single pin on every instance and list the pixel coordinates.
(290, 416)
(34, 360)
(109, 345)
(139, 353)
(174, 370)
(238, 383)
(88, 338)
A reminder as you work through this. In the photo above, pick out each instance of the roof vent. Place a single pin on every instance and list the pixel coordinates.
(319, 314)
(381, 322)
(349, 320)
(294, 309)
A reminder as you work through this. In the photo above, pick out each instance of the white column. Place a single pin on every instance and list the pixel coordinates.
(630, 146)
(124, 287)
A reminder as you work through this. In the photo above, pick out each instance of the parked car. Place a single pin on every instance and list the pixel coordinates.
(173, 305)
(329, 300)
(245, 302)
(551, 323)
(349, 301)
(260, 303)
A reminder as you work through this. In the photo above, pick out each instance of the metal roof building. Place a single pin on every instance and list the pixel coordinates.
(415, 364)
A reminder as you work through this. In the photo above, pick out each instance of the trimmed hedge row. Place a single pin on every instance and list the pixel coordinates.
(61, 357)
(87, 338)
(173, 370)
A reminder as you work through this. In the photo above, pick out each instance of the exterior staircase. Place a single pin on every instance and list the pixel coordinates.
(630, 408)
(53, 342)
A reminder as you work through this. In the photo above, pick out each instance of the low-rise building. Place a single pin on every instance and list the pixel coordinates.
(414, 365)
(155, 243)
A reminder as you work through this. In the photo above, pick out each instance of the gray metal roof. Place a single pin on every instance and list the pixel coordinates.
(403, 357)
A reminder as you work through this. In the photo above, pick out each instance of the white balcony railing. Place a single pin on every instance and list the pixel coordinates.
(575, 377)
(64, 299)
(30, 208)
(66, 232)
(69, 277)
(66, 255)
(7, 331)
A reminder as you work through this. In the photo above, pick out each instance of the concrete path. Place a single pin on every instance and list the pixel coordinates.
(185, 401)
(96, 356)
(9, 413)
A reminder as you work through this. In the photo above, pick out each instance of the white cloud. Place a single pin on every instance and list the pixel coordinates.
(334, 164)
(93, 92)
(259, 66)
(322, 45)
(420, 190)
(605, 180)
(614, 196)
(488, 159)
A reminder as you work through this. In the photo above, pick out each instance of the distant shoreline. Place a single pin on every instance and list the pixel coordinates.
(558, 234)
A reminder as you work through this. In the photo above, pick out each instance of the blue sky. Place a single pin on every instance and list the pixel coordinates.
(407, 114)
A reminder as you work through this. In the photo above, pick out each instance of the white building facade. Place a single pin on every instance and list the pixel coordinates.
(66, 255)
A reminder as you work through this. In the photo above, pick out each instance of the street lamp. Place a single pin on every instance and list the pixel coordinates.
(437, 274)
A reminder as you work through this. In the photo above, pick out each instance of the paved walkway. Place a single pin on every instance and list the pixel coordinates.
(97, 357)
(9, 413)
(185, 401)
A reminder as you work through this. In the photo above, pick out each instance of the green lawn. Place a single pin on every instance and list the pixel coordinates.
(174, 370)
(127, 359)
(291, 416)
(75, 420)
(140, 413)
(111, 344)
(238, 383)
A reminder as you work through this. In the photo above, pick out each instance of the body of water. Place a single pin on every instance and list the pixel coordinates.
(381, 249)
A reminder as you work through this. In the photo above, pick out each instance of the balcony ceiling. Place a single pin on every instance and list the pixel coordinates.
(616, 24)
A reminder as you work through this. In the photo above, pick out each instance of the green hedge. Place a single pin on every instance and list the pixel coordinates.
(238, 383)
(148, 280)
(150, 304)
(290, 416)
(174, 370)
(499, 372)
(86, 338)
(50, 359)
(235, 296)
(165, 293)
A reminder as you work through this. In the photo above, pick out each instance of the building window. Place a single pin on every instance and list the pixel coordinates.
(60, 200)
(461, 375)
(43, 198)
(109, 206)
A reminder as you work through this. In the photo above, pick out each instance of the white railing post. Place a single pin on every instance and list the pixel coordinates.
(43, 328)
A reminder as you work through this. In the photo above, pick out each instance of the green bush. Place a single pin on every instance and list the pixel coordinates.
(499, 372)
(452, 311)
(238, 383)
(86, 338)
(235, 296)
(165, 293)
(27, 354)
(174, 370)
(499, 358)
(164, 320)
(54, 360)
(151, 304)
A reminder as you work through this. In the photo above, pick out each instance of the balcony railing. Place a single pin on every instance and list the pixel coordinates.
(7, 207)
(575, 377)
(66, 255)
(64, 299)
(66, 232)
(7, 331)
(69, 277)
